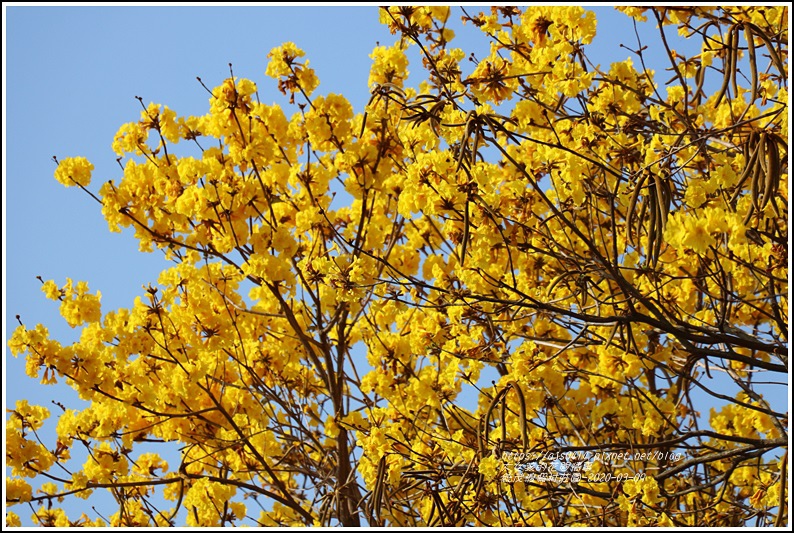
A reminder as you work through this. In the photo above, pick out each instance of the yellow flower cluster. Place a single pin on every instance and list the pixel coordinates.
(74, 171)
(78, 306)
(293, 76)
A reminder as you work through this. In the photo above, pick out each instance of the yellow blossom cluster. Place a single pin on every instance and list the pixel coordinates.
(74, 171)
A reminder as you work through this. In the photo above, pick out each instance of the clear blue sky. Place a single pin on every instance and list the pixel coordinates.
(70, 78)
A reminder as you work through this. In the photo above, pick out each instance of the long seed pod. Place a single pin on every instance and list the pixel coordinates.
(777, 141)
(700, 78)
(466, 226)
(641, 217)
(377, 491)
(486, 422)
(759, 167)
(772, 52)
(772, 170)
(735, 60)
(633, 204)
(657, 244)
(748, 34)
(653, 226)
(749, 165)
(661, 200)
(726, 78)
(669, 193)
(781, 141)
(503, 420)
(522, 404)
(650, 260)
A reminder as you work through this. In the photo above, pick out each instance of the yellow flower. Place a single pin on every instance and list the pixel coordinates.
(74, 171)
(634, 12)
(281, 59)
(29, 416)
(17, 491)
(389, 65)
(78, 306)
(12, 520)
(292, 75)
(489, 467)
(51, 290)
(492, 80)
(691, 232)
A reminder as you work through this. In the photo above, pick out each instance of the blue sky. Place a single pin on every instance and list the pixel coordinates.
(71, 75)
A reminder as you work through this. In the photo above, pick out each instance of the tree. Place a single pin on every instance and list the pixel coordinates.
(598, 240)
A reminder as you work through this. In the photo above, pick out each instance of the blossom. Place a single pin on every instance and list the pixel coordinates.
(74, 171)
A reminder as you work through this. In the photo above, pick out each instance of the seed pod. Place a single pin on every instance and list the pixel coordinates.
(772, 170)
(727, 62)
(748, 34)
(653, 227)
(641, 218)
(758, 169)
(700, 78)
(749, 165)
(633, 204)
(661, 200)
(735, 59)
(769, 46)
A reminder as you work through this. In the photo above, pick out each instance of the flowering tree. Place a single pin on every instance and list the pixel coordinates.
(599, 240)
